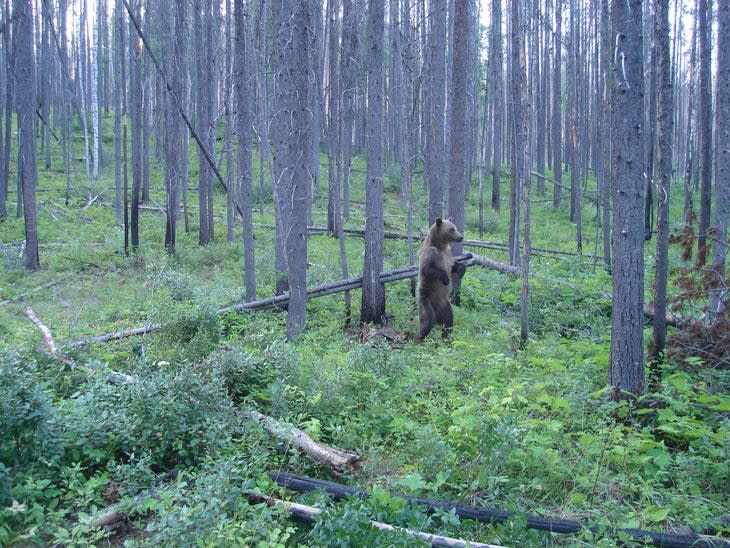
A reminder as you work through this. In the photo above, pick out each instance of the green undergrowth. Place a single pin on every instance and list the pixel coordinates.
(153, 425)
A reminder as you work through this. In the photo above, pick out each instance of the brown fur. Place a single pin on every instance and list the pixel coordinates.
(434, 277)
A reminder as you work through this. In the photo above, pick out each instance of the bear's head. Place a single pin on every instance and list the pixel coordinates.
(443, 232)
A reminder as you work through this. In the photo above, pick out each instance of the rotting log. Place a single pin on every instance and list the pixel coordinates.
(333, 458)
(307, 514)
(279, 300)
(486, 514)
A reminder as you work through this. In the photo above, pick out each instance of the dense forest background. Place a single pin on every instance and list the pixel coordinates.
(210, 213)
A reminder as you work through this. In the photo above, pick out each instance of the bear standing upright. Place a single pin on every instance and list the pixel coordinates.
(434, 277)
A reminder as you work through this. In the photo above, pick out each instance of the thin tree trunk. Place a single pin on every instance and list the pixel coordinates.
(458, 130)
(25, 80)
(664, 173)
(373, 291)
(556, 136)
(497, 78)
(719, 294)
(437, 147)
(705, 127)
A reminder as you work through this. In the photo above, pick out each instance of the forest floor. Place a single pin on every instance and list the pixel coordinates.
(475, 419)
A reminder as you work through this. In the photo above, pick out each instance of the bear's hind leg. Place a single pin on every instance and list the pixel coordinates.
(445, 316)
(427, 317)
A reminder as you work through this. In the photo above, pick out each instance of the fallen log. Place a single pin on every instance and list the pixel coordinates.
(334, 458)
(497, 265)
(307, 514)
(47, 336)
(280, 300)
(486, 514)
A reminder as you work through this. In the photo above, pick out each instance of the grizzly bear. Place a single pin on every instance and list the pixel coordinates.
(435, 267)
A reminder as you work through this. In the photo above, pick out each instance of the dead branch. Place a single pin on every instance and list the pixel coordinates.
(504, 268)
(308, 513)
(334, 458)
(48, 338)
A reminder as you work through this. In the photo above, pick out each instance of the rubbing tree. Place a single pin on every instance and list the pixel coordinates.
(24, 71)
(458, 92)
(664, 172)
(704, 121)
(373, 291)
(626, 363)
(244, 96)
(718, 295)
(435, 110)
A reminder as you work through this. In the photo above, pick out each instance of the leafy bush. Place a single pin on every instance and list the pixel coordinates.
(246, 375)
(26, 414)
(173, 416)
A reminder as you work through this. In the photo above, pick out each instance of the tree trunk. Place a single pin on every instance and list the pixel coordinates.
(520, 154)
(626, 362)
(135, 111)
(497, 78)
(244, 97)
(373, 291)
(436, 114)
(557, 140)
(24, 71)
(664, 173)
(719, 293)
(458, 130)
(705, 126)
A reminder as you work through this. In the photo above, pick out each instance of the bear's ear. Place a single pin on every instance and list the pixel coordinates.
(439, 221)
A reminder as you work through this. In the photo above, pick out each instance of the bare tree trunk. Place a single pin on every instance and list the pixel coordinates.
(520, 154)
(135, 111)
(296, 66)
(458, 131)
(705, 127)
(497, 78)
(244, 97)
(373, 291)
(174, 149)
(719, 294)
(436, 113)
(8, 114)
(202, 108)
(664, 172)
(25, 79)
(557, 141)
(626, 362)
(348, 67)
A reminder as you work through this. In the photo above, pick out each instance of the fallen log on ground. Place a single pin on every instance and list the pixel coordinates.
(281, 300)
(333, 458)
(486, 514)
(307, 514)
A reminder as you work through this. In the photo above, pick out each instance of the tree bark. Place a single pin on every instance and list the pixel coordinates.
(373, 291)
(705, 126)
(626, 362)
(244, 97)
(719, 292)
(664, 173)
(24, 71)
